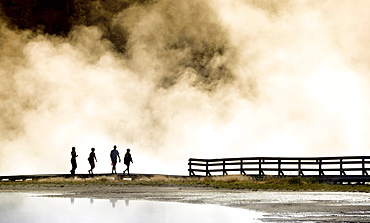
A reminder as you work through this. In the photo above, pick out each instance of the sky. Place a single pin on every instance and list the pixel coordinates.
(196, 79)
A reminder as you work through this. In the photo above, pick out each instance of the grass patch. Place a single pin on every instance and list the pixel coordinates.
(250, 183)
(226, 182)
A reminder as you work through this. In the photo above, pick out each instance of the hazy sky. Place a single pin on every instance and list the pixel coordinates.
(197, 79)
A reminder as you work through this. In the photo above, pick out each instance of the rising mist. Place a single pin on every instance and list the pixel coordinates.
(178, 79)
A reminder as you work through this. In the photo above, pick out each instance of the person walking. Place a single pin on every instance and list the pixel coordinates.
(91, 160)
(113, 156)
(73, 161)
(127, 161)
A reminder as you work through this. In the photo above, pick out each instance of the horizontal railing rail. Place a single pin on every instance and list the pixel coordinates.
(281, 166)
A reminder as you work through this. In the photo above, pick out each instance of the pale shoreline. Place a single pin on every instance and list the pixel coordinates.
(201, 195)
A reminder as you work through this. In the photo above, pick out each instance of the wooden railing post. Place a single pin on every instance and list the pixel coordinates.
(261, 173)
(342, 172)
(207, 171)
(280, 172)
(364, 172)
(241, 167)
(300, 172)
(190, 170)
(224, 168)
(320, 168)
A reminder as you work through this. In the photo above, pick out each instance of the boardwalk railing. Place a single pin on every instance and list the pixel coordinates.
(281, 166)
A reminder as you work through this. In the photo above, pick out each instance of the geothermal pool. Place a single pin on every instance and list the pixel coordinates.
(31, 208)
(216, 206)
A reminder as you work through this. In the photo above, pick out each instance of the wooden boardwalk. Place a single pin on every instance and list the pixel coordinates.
(350, 169)
(20, 178)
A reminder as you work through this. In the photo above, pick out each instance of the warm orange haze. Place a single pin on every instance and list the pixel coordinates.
(174, 79)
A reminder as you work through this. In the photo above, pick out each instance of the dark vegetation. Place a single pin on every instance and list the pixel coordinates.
(268, 183)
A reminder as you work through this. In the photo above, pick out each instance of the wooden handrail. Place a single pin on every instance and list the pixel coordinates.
(261, 166)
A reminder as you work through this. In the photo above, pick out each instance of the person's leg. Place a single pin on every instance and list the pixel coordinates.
(92, 167)
(73, 162)
(114, 167)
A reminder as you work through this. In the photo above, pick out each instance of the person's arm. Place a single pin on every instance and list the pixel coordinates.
(119, 157)
(95, 158)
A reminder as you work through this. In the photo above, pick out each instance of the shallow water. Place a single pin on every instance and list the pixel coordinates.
(248, 206)
(301, 206)
(30, 208)
(300, 197)
(293, 206)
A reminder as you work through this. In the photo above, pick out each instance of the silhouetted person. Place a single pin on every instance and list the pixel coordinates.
(113, 156)
(127, 161)
(73, 160)
(91, 159)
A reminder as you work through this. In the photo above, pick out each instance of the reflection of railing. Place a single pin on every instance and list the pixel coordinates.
(326, 167)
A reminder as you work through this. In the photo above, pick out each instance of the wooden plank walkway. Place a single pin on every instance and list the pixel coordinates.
(12, 178)
(350, 169)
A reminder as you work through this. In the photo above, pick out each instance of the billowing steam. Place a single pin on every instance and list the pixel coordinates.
(178, 79)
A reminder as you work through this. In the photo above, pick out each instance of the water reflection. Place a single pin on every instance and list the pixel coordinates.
(113, 201)
(17, 207)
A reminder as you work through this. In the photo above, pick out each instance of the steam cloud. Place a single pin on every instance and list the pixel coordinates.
(178, 79)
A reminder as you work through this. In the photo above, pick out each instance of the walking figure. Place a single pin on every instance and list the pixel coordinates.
(73, 161)
(91, 160)
(113, 156)
(127, 161)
